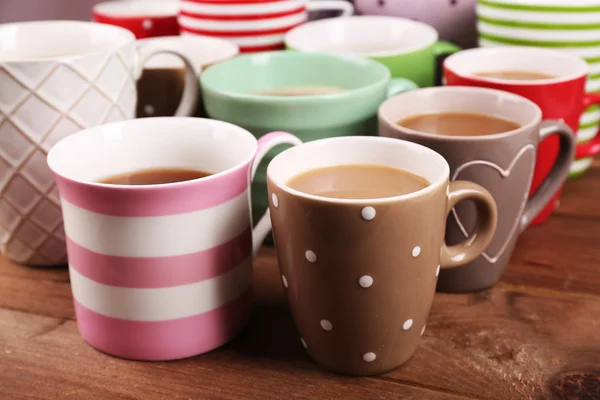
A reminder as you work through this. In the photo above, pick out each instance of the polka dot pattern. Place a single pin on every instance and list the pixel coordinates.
(149, 109)
(369, 357)
(310, 256)
(368, 213)
(326, 325)
(407, 324)
(416, 251)
(147, 24)
(284, 280)
(365, 281)
(275, 200)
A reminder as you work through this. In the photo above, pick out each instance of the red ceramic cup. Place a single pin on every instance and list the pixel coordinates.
(562, 96)
(145, 18)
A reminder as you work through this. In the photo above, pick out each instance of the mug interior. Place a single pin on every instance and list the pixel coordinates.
(103, 151)
(461, 99)
(389, 152)
(375, 36)
(138, 8)
(248, 75)
(562, 66)
(38, 41)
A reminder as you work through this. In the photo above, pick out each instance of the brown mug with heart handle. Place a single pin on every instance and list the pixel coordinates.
(460, 123)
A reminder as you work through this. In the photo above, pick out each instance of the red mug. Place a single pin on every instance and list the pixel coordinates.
(558, 89)
(145, 18)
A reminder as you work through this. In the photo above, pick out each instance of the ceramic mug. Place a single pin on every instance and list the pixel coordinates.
(360, 274)
(58, 77)
(455, 20)
(163, 80)
(231, 92)
(562, 97)
(565, 25)
(160, 272)
(502, 163)
(253, 25)
(145, 18)
(408, 48)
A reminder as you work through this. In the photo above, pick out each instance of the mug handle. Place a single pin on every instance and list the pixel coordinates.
(559, 172)
(346, 8)
(265, 144)
(189, 99)
(592, 147)
(399, 85)
(485, 226)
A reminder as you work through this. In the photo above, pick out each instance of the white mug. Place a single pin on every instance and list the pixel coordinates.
(161, 271)
(57, 78)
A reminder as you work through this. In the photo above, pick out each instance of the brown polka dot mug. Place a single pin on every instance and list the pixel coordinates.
(360, 274)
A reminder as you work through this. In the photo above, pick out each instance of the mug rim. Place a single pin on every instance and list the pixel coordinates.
(464, 90)
(137, 125)
(269, 99)
(300, 30)
(114, 9)
(583, 68)
(224, 50)
(128, 38)
(443, 176)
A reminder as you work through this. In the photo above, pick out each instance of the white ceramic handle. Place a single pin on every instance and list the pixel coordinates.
(266, 144)
(345, 7)
(189, 99)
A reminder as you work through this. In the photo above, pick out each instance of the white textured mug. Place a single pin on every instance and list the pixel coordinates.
(161, 272)
(57, 78)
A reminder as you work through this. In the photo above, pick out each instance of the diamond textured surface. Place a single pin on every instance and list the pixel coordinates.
(41, 103)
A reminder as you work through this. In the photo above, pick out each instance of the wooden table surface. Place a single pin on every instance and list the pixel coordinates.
(535, 335)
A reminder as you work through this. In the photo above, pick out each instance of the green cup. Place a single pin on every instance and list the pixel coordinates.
(409, 49)
(346, 93)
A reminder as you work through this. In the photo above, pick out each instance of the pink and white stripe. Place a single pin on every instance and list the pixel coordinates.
(253, 25)
(159, 272)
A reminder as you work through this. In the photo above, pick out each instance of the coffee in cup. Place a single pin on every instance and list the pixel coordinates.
(357, 181)
(458, 124)
(502, 162)
(161, 268)
(359, 259)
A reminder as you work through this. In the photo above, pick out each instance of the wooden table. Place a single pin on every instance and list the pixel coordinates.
(535, 335)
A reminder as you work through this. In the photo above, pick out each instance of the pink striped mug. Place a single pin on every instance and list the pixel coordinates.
(161, 272)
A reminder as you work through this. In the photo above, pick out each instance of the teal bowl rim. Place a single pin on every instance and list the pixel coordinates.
(379, 68)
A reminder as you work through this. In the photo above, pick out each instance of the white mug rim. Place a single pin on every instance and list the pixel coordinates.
(127, 37)
(137, 126)
(291, 41)
(463, 90)
(441, 180)
(580, 70)
(115, 8)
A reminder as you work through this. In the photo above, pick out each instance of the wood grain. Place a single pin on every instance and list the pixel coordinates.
(535, 335)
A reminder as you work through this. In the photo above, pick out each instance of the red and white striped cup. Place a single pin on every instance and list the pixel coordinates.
(145, 18)
(254, 25)
(161, 272)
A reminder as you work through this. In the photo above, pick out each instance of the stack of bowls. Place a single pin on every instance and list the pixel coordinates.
(253, 25)
(564, 25)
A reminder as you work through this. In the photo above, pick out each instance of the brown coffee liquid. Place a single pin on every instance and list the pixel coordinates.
(458, 124)
(301, 91)
(155, 176)
(159, 92)
(515, 75)
(357, 181)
